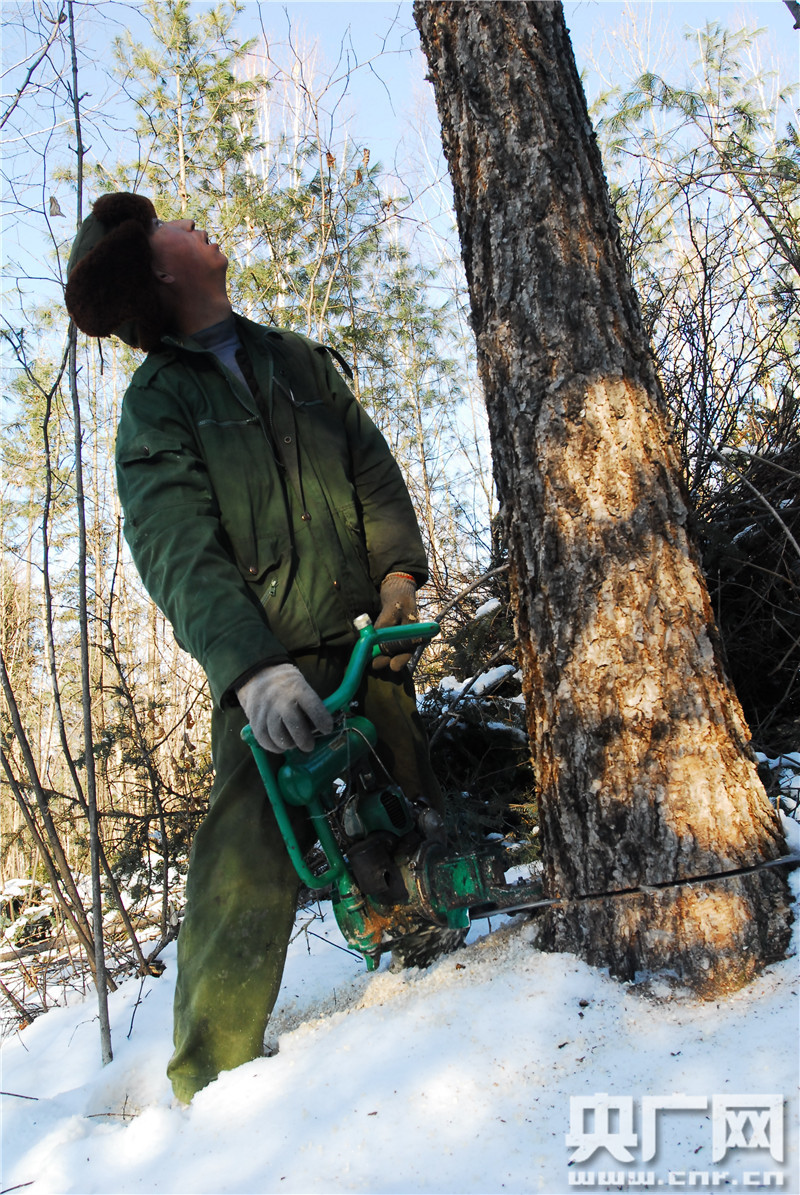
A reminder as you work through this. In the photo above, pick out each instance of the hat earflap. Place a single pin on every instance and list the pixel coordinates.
(112, 288)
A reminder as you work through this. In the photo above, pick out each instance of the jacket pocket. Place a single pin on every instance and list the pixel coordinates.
(361, 586)
(245, 480)
(269, 566)
(157, 473)
(147, 446)
(258, 557)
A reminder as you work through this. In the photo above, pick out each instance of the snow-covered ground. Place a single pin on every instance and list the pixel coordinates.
(466, 1077)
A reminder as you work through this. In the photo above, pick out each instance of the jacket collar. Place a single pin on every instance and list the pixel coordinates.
(173, 347)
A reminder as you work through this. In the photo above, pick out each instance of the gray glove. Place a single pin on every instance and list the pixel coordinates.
(398, 607)
(282, 709)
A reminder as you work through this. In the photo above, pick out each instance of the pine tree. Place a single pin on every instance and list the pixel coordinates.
(646, 783)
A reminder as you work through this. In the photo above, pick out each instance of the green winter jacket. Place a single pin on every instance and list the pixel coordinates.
(260, 529)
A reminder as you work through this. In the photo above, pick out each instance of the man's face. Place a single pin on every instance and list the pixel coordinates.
(186, 254)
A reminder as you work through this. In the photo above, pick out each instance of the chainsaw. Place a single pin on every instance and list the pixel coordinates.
(394, 884)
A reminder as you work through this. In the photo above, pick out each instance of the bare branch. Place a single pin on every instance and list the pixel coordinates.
(45, 50)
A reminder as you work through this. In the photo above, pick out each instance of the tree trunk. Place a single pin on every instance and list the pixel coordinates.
(100, 977)
(639, 745)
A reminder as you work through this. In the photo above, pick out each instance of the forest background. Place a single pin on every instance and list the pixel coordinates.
(304, 137)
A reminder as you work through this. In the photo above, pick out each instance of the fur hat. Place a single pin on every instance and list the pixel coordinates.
(111, 286)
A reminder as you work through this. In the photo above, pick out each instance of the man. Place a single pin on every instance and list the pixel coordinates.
(264, 512)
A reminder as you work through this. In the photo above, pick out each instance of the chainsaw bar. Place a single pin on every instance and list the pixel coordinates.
(430, 942)
(492, 908)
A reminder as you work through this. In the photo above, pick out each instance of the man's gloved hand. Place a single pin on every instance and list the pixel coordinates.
(282, 708)
(398, 607)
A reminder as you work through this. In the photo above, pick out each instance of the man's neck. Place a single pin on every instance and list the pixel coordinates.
(201, 313)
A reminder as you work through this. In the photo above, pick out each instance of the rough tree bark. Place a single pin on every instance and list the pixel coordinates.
(639, 745)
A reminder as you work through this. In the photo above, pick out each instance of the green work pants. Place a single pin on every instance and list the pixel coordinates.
(241, 888)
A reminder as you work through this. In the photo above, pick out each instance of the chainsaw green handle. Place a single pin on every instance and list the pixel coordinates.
(337, 869)
(368, 645)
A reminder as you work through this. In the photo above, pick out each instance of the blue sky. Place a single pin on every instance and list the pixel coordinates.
(381, 100)
(364, 26)
(356, 30)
